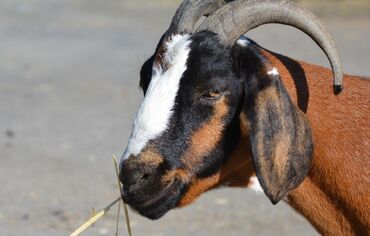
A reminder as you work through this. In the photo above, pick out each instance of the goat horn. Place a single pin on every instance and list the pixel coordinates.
(240, 16)
(190, 11)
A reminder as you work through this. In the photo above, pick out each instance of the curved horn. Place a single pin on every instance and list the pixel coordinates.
(238, 17)
(190, 11)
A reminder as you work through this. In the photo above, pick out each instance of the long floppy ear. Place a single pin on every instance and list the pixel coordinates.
(280, 135)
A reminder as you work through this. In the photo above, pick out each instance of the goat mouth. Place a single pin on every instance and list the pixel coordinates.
(159, 203)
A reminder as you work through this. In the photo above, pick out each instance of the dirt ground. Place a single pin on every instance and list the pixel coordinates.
(68, 95)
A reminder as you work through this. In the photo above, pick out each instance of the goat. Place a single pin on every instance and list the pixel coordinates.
(221, 110)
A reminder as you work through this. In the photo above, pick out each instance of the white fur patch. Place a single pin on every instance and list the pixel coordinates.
(254, 184)
(243, 41)
(274, 71)
(155, 111)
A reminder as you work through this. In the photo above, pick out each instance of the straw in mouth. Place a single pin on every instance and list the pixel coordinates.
(96, 216)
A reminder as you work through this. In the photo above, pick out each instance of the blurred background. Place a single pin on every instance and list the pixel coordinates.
(69, 72)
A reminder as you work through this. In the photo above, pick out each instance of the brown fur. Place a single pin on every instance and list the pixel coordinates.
(158, 60)
(198, 187)
(175, 174)
(150, 157)
(206, 137)
(236, 171)
(334, 197)
(239, 168)
(283, 140)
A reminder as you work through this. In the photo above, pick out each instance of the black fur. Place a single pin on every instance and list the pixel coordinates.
(239, 73)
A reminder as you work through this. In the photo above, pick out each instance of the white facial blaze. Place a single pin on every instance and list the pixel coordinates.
(155, 111)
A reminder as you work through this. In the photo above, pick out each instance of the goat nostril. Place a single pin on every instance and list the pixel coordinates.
(132, 177)
(145, 176)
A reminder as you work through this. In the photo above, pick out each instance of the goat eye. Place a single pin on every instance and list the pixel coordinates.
(213, 94)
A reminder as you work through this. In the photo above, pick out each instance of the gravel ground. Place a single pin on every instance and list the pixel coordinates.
(68, 95)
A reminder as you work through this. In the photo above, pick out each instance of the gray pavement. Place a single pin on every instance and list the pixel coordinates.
(68, 95)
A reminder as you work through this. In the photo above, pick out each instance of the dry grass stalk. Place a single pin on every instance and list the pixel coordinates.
(123, 203)
(92, 220)
(93, 213)
(118, 215)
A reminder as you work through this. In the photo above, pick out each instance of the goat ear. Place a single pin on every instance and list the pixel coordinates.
(146, 74)
(280, 136)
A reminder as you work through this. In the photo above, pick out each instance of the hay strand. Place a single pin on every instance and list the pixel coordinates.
(94, 218)
(123, 203)
(118, 215)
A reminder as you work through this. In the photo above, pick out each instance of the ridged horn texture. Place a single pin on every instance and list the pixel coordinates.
(190, 11)
(238, 17)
